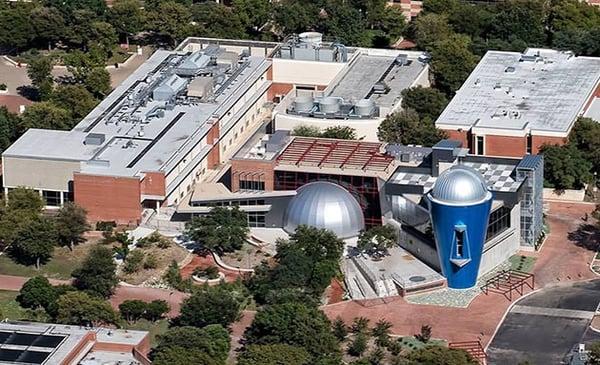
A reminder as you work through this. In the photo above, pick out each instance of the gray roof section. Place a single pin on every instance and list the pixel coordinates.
(542, 89)
(530, 162)
(366, 70)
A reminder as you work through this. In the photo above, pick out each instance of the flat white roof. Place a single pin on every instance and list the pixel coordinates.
(141, 134)
(540, 90)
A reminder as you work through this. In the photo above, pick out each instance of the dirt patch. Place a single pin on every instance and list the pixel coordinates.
(163, 258)
(247, 257)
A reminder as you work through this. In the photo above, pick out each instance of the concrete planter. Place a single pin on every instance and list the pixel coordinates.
(564, 195)
(200, 280)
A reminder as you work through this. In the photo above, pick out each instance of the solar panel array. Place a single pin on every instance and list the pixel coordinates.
(27, 348)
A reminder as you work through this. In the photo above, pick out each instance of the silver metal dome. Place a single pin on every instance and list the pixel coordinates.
(326, 205)
(460, 185)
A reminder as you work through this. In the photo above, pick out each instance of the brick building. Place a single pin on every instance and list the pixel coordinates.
(55, 344)
(513, 103)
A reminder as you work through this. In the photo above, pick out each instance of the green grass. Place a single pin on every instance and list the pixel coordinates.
(522, 263)
(9, 308)
(60, 266)
(155, 328)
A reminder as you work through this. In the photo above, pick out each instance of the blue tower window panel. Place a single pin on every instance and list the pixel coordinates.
(460, 254)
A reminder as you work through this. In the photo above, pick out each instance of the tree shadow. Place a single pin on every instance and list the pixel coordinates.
(587, 236)
(29, 92)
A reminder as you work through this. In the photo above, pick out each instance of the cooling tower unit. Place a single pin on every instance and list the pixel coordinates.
(329, 105)
(303, 103)
(364, 107)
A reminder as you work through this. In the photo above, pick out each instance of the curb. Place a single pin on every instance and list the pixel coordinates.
(227, 267)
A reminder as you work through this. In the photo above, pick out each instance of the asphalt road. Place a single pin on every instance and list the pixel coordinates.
(543, 327)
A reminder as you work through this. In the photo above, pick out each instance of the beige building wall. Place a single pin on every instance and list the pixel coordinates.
(42, 174)
(299, 72)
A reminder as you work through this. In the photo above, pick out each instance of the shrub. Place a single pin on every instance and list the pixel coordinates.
(106, 226)
(151, 262)
(211, 272)
(134, 262)
(3, 87)
(156, 309)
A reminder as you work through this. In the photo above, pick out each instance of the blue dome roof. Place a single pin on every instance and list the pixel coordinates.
(326, 205)
(460, 185)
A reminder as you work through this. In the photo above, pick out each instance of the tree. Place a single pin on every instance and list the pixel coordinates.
(293, 17)
(48, 25)
(520, 19)
(594, 353)
(452, 62)
(170, 20)
(358, 346)
(35, 242)
(97, 81)
(565, 167)
(431, 28)
(360, 325)
(71, 224)
(221, 304)
(306, 262)
(345, 23)
(46, 115)
(173, 276)
(39, 71)
(97, 273)
(156, 309)
(212, 341)
(294, 324)
(585, 136)
(425, 334)
(127, 17)
(17, 31)
(427, 102)
(8, 128)
(222, 229)
(405, 127)
(180, 356)
(218, 20)
(22, 206)
(381, 331)
(377, 240)
(340, 330)
(76, 99)
(276, 354)
(132, 310)
(253, 13)
(103, 36)
(36, 293)
(339, 132)
(79, 308)
(441, 355)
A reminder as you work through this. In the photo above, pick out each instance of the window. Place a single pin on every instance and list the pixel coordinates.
(499, 222)
(529, 143)
(52, 198)
(252, 185)
(479, 145)
(460, 244)
(256, 219)
(68, 196)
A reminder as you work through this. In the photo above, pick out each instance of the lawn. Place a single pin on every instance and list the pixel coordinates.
(522, 263)
(155, 328)
(60, 266)
(10, 309)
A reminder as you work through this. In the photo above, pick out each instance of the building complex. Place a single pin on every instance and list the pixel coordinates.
(513, 103)
(211, 124)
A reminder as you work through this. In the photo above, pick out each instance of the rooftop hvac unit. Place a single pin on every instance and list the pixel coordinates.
(329, 105)
(303, 103)
(380, 87)
(94, 139)
(364, 107)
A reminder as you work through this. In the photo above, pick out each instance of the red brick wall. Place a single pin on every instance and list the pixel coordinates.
(505, 146)
(112, 347)
(459, 136)
(214, 156)
(153, 183)
(255, 170)
(108, 198)
(89, 338)
(278, 88)
(595, 95)
(538, 141)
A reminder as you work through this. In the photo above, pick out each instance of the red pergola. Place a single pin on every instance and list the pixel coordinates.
(342, 154)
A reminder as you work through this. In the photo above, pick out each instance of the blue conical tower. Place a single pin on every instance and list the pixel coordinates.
(460, 205)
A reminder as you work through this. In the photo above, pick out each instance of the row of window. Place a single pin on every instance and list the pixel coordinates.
(53, 198)
(252, 185)
(499, 222)
(226, 203)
